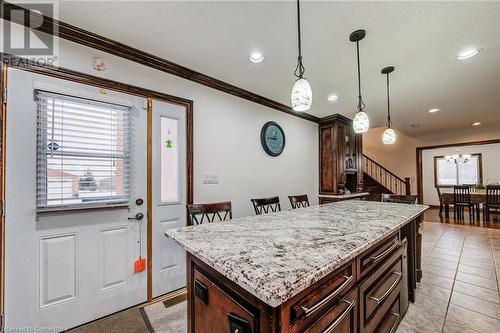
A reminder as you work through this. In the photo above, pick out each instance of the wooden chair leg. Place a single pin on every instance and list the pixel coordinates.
(440, 210)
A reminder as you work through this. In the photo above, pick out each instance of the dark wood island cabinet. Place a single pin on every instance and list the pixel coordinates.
(321, 274)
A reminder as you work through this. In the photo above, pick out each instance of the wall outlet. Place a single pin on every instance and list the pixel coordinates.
(210, 179)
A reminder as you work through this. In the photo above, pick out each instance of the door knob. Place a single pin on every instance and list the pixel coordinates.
(139, 216)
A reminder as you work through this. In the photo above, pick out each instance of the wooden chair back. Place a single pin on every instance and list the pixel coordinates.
(461, 194)
(266, 205)
(298, 201)
(438, 190)
(397, 198)
(210, 212)
(493, 195)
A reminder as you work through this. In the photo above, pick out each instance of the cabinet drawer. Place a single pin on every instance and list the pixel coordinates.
(379, 290)
(340, 318)
(316, 302)
(391, 319)
(215, 311)
(370, 259)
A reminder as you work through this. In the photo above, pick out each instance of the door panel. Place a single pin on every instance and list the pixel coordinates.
(58, 269)
(169, 197)
(65, 269)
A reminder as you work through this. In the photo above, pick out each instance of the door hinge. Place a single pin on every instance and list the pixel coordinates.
(3, 208)
(4, 96)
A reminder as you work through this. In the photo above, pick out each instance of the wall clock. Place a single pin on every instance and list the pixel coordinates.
(272, 138)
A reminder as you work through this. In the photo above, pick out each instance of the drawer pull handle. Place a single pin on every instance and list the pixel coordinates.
(393, 328)
(341, 317)
(374, 259)
(317, 306)
(384, 296)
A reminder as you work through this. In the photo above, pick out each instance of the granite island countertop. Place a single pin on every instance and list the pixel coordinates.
(276, 256)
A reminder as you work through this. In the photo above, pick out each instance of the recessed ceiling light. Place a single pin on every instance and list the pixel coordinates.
(434, 110)
(469, 53)
(256, 57)
(477, 123)
(333, 98)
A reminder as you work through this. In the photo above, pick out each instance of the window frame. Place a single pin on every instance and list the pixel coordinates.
(42, 158)
(479, 171)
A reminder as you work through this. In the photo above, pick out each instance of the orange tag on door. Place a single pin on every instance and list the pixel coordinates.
(139, 265)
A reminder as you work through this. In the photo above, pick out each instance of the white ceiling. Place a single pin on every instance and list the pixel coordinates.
(420, 39)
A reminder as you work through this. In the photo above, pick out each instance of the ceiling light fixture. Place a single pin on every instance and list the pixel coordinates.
(389, 136)
(333, 98)
(477, 123)
(361, 122)
(256, 57)
(301, 96)
(434, 110)
(468, 54)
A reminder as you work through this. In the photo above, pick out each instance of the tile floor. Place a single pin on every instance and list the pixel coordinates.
(459, 291)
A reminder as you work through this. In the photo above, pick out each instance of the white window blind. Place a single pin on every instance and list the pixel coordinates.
(82, 152)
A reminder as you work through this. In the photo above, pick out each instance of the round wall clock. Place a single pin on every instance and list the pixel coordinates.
(272, 138)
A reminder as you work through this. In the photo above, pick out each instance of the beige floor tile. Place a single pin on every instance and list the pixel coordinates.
(476, 291)
(446, 251)
(477, 263)
(441, 263)
(445, 257)
(438, 280)
(470, 318)
(476, 304)
(451, 326)
(418, 320)
(479, 271)
(477, 280)
(426, 289)
(436, 270)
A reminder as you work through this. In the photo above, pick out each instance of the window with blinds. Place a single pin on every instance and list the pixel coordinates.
(82, 152)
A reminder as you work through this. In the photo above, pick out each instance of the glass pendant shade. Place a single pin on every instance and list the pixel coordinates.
(361, 123)
(389, 136)
(301, 95)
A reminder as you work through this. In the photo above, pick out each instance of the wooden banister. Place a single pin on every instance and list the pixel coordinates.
(386, 178)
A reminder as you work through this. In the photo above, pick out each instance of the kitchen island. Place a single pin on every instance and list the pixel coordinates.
(343, 267)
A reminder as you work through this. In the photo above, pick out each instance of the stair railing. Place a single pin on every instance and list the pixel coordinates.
(386, 178)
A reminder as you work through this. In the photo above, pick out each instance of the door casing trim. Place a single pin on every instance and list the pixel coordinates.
(83, 78)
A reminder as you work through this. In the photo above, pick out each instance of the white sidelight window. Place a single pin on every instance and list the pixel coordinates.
(82, 152)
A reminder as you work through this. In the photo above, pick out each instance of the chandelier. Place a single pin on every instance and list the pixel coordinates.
(458, 158)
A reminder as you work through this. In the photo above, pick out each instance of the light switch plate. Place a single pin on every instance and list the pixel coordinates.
(210, 179)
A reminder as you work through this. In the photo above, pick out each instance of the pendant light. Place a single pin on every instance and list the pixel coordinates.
(361, 123)
(301, 96)
(389, 136)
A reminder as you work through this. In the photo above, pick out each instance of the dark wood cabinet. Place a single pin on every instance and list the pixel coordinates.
(364, 295)
(340, 156)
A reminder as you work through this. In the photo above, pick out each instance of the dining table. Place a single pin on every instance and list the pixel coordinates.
(476, 197)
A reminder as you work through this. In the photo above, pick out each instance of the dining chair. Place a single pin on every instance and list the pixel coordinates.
(397, 198)
(210, 212)
(492, 204)
(461, 199)
(441, 205)
(298, 201)
(266, 205)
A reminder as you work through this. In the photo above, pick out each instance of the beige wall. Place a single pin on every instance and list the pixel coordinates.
(399, 158)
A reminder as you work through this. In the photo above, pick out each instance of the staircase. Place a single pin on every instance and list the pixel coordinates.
(378, 180)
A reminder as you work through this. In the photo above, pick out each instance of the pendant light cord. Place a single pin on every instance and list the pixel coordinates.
(361, 105)
(299, 70)
(389, 122)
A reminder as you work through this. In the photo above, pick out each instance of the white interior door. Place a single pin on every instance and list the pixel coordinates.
(68, 268)
(169, 195)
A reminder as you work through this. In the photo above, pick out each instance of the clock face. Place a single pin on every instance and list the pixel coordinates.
(272, 138)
